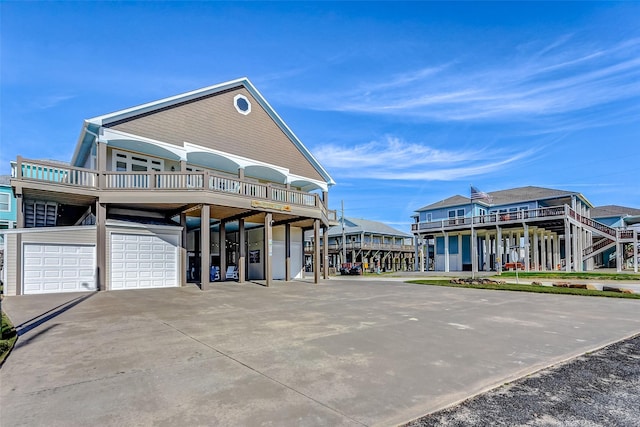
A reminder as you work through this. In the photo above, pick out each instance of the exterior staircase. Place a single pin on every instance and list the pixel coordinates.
(609, 236)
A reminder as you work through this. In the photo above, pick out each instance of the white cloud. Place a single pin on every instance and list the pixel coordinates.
(394, 159)
(561, 79)
(45, 102)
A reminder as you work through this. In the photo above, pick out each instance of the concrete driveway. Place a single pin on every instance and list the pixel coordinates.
(346, 352)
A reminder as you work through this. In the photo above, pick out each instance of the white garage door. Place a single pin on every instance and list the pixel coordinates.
(143, 261)
(52, 268)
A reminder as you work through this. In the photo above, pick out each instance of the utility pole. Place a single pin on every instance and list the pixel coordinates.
(344, 245)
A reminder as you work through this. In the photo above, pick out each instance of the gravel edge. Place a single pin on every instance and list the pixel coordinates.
(599, 388)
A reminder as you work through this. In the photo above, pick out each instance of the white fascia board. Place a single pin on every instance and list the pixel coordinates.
(585, 200)
(76, 152)
(323, 185)
(177, 229)
(107, 134)
(165, 102)
(48, 229)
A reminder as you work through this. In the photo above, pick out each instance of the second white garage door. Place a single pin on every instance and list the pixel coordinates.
(143, 261)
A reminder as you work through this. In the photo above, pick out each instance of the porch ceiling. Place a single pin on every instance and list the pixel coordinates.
(144, 147)
(219, 213)
(64, 198)
(266, 173)
(212, 161)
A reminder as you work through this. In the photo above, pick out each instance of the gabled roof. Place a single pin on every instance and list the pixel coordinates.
(526, 194)
(92, 126)
(357, 226)
(456, 200)
(504, 197)
(610, 211)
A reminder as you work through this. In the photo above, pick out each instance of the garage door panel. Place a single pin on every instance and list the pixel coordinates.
(144, 261)
(52, 268)
(32, 261)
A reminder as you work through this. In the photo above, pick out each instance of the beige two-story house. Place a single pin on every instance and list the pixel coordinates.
(198, 187)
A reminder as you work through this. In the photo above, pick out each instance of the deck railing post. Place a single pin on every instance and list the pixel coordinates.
(19, 168)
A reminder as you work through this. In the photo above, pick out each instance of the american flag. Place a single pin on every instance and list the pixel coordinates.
(479, 195)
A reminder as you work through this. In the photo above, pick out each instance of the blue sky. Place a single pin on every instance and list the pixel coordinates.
(405, 104)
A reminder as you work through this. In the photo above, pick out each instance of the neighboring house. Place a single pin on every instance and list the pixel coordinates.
(206, 184)
(540, 228)
(372, 244)
(7, 204)
(622, 218)
(7, 217)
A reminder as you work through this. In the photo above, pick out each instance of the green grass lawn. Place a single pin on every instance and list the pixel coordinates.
(566, 275)
(8, 337)
(529, 288)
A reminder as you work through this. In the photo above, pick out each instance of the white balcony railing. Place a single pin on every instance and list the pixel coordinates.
(51, 172)
(495, 218)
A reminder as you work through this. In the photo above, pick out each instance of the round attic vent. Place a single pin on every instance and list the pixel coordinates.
(242, 104)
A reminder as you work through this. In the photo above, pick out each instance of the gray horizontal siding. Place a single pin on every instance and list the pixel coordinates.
(10, 264)
(85, 236)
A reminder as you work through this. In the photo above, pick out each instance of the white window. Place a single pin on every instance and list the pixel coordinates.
(242, 104)
(5, 202)
(130, 162)
(429, 217)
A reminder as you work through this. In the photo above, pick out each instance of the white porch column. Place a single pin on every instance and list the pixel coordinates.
(575, 238)
(446, 252)
(499, 248)
(547, 251)
(567, 244)
(527, 249)
(543, 251)
(556, 251)
(619, 256)
(536, 251)
(421, 248)
(416, 257)
(507, 247)
(580, 242)
(460, 252)
(636, 251)
(487, 251)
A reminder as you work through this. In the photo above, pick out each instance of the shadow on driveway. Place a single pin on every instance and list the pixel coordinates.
(34, 322)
